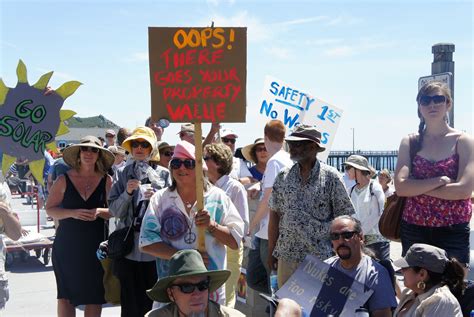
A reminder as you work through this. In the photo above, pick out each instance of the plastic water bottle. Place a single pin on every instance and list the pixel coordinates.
(273, 282)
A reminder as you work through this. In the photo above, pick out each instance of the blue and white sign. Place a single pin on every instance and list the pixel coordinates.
(322, 290)
(294, 106)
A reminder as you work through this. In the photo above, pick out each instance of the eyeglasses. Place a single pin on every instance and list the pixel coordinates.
(143, 145)
(228, 140)
(188, 288)
(207, 158)
(188, 163)
(168, 153)
(260, 149)
(89, 149)
(426, 100)
(345, 235)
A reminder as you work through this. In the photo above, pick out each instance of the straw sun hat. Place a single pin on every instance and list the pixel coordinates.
(71, 153)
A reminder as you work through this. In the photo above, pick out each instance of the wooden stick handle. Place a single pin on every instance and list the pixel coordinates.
(199, 183)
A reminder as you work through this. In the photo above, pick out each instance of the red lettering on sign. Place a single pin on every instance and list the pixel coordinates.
(191, 57)
(177, 77)
(229, 91)
(197, 112)
(220, 75)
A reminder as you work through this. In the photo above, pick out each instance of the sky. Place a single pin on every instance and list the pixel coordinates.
(364, 57)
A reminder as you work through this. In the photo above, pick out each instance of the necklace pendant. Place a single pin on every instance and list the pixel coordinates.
(188, 205)
(190, 237)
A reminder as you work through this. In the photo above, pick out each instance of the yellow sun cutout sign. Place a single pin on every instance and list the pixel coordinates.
(30, 119)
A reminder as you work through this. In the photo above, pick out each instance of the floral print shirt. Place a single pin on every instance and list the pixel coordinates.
(306, 211)
(424, 210)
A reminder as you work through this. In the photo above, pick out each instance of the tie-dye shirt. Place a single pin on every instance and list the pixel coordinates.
(167, 221)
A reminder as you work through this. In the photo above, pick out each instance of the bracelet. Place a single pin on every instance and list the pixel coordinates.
(212, 228)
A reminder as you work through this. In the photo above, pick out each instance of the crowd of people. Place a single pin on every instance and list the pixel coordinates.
(137, 181)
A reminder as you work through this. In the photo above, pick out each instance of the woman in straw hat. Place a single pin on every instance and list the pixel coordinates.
(368, 199)
(187, 288)
(172, 219)
(258, 155)
(129, 199)
(78, 199)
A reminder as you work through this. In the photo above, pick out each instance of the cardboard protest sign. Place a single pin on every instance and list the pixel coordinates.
(198, 74)
(293, 106)
(322, 290)
(30, 120)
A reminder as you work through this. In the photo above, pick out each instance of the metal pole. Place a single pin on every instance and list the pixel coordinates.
(442, 63)
(353, 140)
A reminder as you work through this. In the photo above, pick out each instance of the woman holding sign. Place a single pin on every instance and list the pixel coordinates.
(78, 199)
(172, 219)
(438, 180)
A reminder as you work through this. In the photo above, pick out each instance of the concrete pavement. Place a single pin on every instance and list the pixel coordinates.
(33, 285)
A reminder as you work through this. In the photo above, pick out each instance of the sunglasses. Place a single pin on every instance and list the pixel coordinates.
(89, 149)
(347, 168)
(297, 144)
(345, 235)
(188, 288)
(168, 153)
(227, 140)
(426, 100)
(207, 158)
(188, 163)
(143, 145)
(260, 149)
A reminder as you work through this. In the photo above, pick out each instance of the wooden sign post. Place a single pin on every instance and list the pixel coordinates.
(198, 75)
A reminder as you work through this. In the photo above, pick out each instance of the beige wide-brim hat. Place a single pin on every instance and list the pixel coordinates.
(360, 163)
(71, 153)
(247, 150)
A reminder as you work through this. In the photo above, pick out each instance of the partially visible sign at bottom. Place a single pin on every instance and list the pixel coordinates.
(322, 290)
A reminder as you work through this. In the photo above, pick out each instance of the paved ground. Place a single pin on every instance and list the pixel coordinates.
(33, 286)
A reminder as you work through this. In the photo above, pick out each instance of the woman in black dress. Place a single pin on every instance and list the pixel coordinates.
(78, 200)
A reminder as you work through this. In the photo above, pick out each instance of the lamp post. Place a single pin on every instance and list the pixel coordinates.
(353, 140)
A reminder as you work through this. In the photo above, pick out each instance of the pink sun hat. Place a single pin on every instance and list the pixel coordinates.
(184, 149)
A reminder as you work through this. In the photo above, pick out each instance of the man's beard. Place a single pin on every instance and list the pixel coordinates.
(344, 256)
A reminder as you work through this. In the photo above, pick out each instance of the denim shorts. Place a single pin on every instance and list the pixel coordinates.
(454, 239)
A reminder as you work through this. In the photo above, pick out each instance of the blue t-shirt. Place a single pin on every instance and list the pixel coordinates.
(374, 276)
(255, 173)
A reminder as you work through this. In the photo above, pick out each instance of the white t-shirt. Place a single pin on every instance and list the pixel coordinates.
(239, 169)
(237, 194)
(275, 164)
(167, 221)
(368, 208)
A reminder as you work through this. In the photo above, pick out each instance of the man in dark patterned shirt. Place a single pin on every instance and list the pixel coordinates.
(304, 201)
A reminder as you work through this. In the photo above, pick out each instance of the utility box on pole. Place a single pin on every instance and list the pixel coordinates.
(443, 63)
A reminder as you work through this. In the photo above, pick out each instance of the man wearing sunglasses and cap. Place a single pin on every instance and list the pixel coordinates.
(187, 288)
(304, 200)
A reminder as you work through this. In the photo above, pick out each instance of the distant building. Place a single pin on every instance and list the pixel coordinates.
(80, 127)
